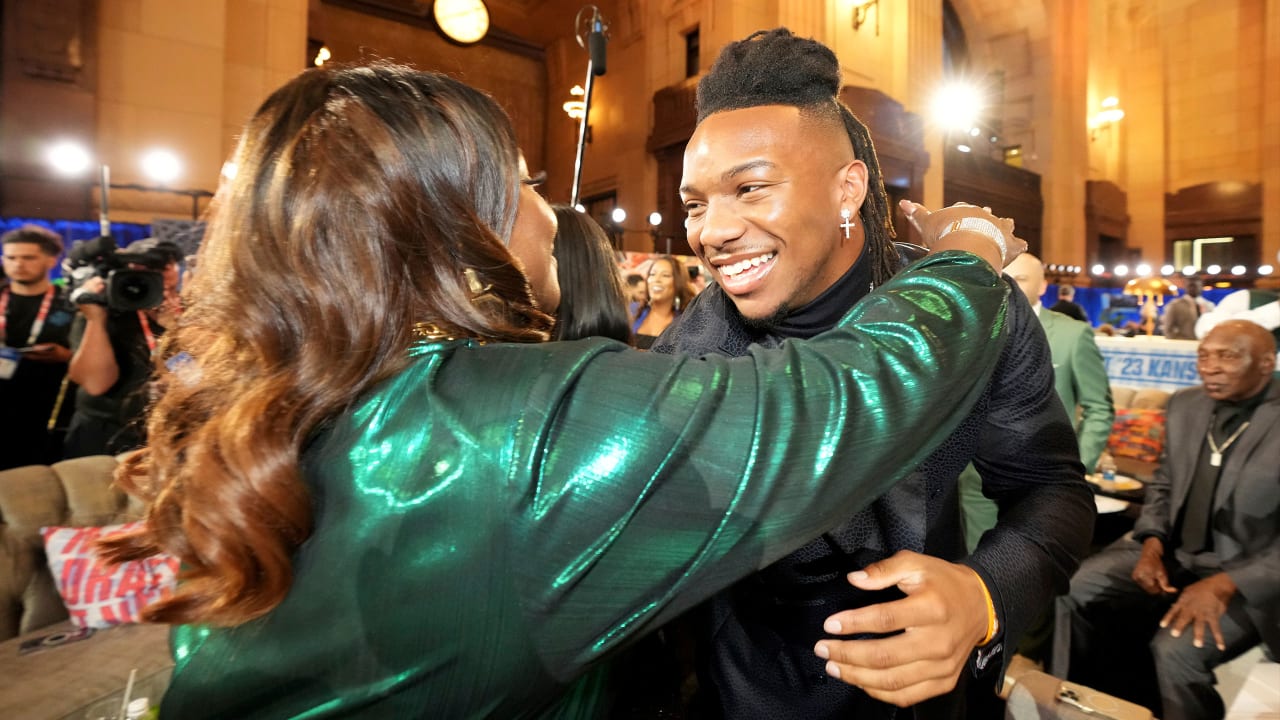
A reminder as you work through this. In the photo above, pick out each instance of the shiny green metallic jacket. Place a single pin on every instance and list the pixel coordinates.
(496, 518)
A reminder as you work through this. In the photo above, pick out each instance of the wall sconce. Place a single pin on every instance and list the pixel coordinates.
(1109, 115)
(861, 9)
(576, 109)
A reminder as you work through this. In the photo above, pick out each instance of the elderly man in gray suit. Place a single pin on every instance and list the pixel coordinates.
(1204, 557)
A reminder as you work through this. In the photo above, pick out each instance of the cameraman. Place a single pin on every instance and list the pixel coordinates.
(113, 357)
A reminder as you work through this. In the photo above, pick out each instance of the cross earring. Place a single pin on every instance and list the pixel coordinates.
(845, 214)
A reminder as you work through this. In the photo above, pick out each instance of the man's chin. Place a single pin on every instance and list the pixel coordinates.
(765, 321)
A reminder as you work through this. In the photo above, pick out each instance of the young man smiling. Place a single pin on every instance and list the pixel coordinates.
(787, 209)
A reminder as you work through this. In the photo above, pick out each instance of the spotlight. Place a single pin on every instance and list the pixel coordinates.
(1265, 269)
(1188, 269)
(655, 218)
(1213, 269)
(1121, 270)
(1166, 269)
(161, 166)
(1142, 270)
(974, 132)
(1098, 269)
(68, 158)
(619, 215)
(579, 207)
(1238, 270)
(957, 106)
(963, 148)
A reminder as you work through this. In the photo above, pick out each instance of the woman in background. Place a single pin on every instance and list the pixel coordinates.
(669, 293)
(591, 300)
(391, 499)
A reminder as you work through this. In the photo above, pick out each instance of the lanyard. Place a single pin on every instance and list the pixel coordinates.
(146, 332)
(36, 326)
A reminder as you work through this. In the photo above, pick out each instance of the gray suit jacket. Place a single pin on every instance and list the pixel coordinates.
(1246, 515)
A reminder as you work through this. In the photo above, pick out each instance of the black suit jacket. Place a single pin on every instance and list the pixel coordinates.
(761, 662)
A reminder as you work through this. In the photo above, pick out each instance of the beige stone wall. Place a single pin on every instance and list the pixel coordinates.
(1199, 82)
(183, 75)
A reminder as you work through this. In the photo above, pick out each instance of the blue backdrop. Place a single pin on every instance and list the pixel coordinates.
(1109, 305)
(72, 230)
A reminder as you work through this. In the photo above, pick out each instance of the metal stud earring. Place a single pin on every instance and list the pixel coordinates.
(845, 215)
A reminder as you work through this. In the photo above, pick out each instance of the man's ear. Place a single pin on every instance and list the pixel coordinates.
(853, 186)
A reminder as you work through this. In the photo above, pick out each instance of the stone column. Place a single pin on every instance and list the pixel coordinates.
(1065, 163)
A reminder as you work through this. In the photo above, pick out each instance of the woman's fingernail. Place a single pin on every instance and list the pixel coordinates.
(822, 651)
(858, 575)
(833, 670)
(831, 625)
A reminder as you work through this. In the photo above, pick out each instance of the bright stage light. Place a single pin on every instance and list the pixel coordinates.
(68, 158)
(161, 165)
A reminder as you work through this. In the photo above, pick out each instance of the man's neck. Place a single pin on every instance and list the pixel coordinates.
(823, 312)
(40, 287)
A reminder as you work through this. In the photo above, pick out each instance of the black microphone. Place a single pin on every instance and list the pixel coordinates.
(595, 44)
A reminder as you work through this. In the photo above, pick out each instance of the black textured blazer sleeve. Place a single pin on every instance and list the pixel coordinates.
(1030, 465)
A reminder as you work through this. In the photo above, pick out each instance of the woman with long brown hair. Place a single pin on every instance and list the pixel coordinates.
(391, 500)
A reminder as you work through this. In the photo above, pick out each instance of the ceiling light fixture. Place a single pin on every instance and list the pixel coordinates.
(463, 21)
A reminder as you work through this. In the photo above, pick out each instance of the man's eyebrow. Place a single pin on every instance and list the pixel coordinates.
(733, 172)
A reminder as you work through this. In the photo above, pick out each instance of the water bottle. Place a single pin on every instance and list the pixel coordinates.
(140, 709)
(1107, 465)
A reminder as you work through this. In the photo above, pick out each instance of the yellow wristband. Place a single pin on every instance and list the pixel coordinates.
(993, 624)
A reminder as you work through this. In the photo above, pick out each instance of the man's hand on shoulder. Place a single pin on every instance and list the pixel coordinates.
(942, 619)
(1202, 603)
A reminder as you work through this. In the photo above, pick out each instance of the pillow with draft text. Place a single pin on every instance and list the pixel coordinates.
(1138, 434)
(98, 595)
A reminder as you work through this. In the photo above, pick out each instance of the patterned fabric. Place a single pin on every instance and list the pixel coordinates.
(1138, 434)
(98, 595)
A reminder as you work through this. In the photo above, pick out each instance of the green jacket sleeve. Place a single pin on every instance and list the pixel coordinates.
(645, 483)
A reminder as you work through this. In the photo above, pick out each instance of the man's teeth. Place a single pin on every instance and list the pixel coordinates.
(743, 266)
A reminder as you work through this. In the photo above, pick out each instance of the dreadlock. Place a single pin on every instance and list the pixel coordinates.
(774, 67)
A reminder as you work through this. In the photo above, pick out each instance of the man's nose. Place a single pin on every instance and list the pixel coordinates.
(720, 224)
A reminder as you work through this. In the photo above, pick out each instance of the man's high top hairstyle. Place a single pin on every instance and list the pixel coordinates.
(774, 67)
(49, 241)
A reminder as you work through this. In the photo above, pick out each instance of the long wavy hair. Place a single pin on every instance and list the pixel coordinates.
(362, 195)
(592, 303)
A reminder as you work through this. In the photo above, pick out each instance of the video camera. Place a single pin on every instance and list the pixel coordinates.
(127, 288)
